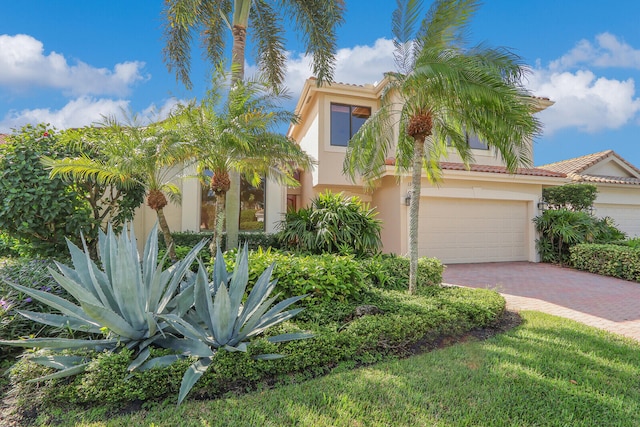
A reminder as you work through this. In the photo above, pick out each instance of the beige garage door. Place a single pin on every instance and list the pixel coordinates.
(473, 230)
(626, 217)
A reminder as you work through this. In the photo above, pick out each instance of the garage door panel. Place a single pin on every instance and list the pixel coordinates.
(626, 217)
(473, 230)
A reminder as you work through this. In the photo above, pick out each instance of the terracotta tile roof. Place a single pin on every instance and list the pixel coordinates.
(493, 169)
(3, 138)
(574, 168)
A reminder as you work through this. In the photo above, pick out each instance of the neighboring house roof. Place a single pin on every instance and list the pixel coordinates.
(586, 169)
(494, 169)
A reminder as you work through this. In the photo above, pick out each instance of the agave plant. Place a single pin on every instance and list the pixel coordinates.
(222, 319)
(122, 301)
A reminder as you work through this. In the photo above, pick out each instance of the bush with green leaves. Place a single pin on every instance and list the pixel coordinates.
(340, 339)
(574, 197)
(325, 277)
(120, 304)
(560, 229)
(37, 213)
(392, 271)
(332, 224)
(607, 260)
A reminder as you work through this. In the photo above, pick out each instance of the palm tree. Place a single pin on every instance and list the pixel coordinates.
(316, 19)
(240, 136)
(441, 92)
(148, 156)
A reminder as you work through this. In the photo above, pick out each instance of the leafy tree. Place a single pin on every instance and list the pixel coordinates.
(576, 197)
(441, 92)
(150, 157)
(239, 134)
(40, 212)
(316, 19)
(335, 224)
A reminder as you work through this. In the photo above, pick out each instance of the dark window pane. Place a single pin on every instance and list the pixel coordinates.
(474, 142)
(340, 116)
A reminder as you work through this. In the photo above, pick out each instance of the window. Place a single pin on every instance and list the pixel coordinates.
(251, 207)
(345, 122)
(474, 142)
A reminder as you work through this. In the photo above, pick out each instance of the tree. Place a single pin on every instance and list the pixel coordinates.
(148, 156)
(317, 19)
(239, 135)
(441, 92)
(40, 212)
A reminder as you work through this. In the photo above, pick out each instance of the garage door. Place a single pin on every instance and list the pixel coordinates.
(626, 217)
(473, 230)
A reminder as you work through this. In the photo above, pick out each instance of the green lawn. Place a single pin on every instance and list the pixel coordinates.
(548, 372)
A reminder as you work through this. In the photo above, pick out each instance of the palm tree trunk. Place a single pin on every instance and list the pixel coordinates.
(414, 205)
(218, 224)
(166, 233)
(232, 210)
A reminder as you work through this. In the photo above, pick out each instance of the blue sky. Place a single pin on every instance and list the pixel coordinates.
(70, 62)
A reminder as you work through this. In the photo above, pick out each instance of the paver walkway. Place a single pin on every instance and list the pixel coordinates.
(604, 302)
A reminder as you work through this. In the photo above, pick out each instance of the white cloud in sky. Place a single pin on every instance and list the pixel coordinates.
(583, 99)
(85, 111)
(24, 65)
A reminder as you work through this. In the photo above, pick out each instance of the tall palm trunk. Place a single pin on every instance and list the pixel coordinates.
(232, 210)
(218, 225)
(414, 207)
(166, 233)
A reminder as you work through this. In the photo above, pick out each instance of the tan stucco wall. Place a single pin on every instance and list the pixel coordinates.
(622, 203)
(388, 200)
(608, 168)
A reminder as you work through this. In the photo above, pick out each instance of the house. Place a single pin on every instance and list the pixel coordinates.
(618, 183)
(483, 214)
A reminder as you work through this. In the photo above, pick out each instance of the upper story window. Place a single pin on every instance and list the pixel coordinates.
(345, 122)
(474, 142)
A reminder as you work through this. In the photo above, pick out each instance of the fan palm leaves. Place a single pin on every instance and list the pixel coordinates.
(441, 92)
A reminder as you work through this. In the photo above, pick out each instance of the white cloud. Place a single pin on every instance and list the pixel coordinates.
(583, 99)
(357, 65)
(85, 111)
(24, 65)
(608, 51)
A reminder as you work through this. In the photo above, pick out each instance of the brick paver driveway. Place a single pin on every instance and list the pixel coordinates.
(603, 302)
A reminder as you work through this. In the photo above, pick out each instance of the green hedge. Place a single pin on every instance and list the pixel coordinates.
(407, 322)
(255, 239)
(608, 260)
(392, 271)
(325, 277)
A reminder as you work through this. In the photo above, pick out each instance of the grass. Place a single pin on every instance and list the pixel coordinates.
(548, 372)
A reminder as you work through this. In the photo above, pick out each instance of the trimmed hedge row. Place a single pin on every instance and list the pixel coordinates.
(407, 322)
(607, 260)
(254, 239)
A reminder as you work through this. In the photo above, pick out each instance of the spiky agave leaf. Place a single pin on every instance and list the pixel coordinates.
(219, 320)
(125, 298)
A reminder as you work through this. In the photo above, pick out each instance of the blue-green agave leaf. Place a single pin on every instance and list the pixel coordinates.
(54, 301)
(58, 362)
(187, 346)
(59, 343)
(241, 347)
(268, 356)
(63, 373)
(185, 328)
(222, 317)
(59, 321)
(160, 362)
(192, 375)
(114, 322)
(220, 274)
(290, 337)
(239, 279)
(142, 357)
(202, 299)
(79, 292)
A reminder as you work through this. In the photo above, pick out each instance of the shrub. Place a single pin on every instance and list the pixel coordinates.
(324, 277)
(253, 239)
(407, 322)
(575, 197)
(561, 229)
(37, 213)
(332, 224)
(392, 271)
(607, 260)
